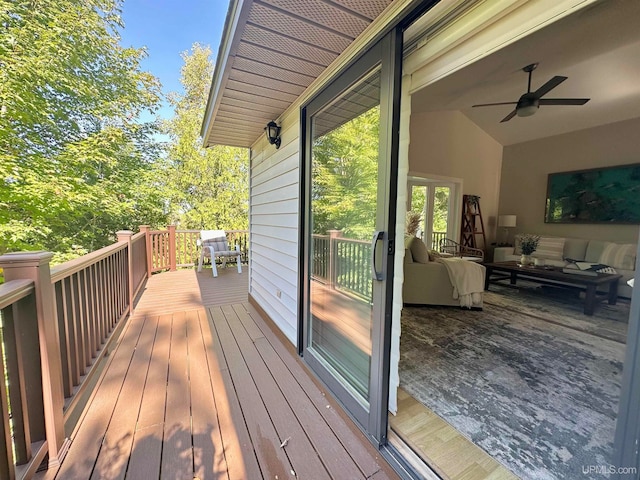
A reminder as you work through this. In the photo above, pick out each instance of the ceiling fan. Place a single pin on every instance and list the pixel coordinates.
(529, 102)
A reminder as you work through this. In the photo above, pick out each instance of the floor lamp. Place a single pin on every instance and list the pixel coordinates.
(506, 222)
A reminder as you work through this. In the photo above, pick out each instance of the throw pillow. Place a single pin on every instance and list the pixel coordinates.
(550, 247)
(419, 251)
(619, 256)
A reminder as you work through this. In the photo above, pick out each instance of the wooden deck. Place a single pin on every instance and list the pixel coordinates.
(200, 386)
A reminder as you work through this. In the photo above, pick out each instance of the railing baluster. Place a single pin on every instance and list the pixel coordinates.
(86, 324)
(100, 303)
(111, 290)
(63, 329)
(77, 324)
(95, 329)
(77, 302)
(7, 467)
(11, 338)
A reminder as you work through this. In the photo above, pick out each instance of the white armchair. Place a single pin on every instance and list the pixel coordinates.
(213, 244)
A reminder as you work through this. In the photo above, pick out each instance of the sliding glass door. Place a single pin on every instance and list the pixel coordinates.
(347, 248)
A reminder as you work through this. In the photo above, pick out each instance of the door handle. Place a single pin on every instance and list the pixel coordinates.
(377, 236)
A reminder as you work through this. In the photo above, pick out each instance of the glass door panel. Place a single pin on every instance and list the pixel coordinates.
(344, 192)
(440, 224)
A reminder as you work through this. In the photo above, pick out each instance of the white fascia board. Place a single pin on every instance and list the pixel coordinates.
(231, 35)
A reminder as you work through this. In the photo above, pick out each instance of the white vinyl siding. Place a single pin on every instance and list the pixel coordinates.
(273, 223)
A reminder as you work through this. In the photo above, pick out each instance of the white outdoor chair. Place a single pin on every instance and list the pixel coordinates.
(214, 245)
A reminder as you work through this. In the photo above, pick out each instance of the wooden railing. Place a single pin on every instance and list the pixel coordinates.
(57, 325)
(342, 263)
(436, 238)
(56, 328)
(171, 249)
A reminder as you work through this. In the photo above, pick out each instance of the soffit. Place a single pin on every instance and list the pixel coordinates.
(272, 52)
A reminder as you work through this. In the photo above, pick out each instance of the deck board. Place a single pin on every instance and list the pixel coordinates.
(200, 386)
(114, 452)
(177, 452)
(208, 451)
(293, 440)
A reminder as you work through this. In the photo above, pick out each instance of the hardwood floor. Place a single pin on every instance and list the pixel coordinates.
(200, 386)
(445, 450)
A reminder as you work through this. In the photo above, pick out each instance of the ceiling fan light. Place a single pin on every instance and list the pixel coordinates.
(527, 110)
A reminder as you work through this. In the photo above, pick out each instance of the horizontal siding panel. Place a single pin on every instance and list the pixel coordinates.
(280, 233)
(284, 258)
(284, 324)
(276, 183)
(271, 283)
(283, 274)
(274, 219)
(285, 193)
(286, 302)
(270, 162)
(279, 206)
(289, 164)
(289, 220)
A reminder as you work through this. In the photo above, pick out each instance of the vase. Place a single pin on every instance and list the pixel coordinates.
(526, 260)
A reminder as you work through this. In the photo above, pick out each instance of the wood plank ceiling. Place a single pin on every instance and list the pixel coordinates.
(283, 46)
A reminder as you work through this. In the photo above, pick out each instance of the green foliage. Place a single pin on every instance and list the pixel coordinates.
(345, 175)
(440, 205)
(74, 159)
(208, 188)
(529, 243)
(441, 209)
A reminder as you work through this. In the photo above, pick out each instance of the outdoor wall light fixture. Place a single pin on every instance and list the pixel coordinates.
(272, 130)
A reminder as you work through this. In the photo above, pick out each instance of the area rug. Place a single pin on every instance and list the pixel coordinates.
(538, 396)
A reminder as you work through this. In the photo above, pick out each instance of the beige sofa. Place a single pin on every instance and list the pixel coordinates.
(426, 282)
(556, 250)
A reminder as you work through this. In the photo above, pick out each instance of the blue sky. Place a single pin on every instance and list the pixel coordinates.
(169, 27)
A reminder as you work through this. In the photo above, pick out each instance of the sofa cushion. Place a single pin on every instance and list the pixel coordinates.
(418, 250)
(594, 251)
(408, 258)
(619, 256)
(575, 248)
(551, 248)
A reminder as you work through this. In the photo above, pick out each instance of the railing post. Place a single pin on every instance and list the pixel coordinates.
(125, 236)
(35, 266)
(333, 256)
(172, 247)
(147, 240)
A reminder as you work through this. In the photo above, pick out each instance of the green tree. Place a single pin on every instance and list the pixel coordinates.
(73, 155)
(345, 174)
(209, 186)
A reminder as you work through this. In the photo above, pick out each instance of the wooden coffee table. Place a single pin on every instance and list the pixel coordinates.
(551, 276)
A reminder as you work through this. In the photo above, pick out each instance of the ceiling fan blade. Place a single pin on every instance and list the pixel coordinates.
(550, 85)
(509, 117)
(492, 104)
(563, 101)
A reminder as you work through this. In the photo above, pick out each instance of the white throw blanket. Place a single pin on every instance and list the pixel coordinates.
(467, 279)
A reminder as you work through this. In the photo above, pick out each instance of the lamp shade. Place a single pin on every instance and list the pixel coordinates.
(506, 220)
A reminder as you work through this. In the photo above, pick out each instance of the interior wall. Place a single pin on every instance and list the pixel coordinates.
(525, 168)
(448, 144)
